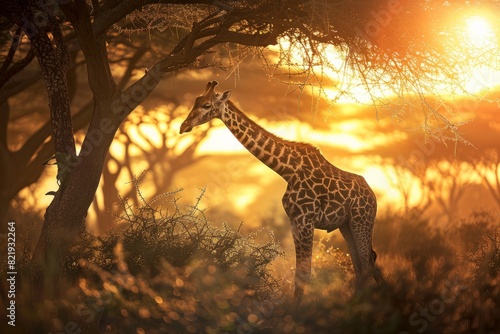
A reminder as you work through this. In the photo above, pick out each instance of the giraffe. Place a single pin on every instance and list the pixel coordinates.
(318, 194)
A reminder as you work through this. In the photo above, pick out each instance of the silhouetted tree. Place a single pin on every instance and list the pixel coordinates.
(155, 142)
(448, 187)
(488, 169)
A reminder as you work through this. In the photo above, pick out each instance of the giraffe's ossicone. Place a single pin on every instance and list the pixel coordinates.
(319, 195)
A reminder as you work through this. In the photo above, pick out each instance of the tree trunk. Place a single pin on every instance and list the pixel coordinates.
(38, 22)
(54, 63)
(65, 216)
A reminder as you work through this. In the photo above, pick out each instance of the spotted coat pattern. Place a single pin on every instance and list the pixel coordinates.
(319, 195)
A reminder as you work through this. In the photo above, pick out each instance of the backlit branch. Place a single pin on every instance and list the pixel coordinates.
(7, 72)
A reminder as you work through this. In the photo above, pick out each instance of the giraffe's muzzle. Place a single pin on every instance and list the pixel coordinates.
(185, 127)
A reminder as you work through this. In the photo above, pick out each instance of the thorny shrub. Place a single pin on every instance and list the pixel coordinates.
(168, 267)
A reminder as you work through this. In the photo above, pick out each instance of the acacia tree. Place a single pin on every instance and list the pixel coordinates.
(398, 44)
(488, 168)
(24, 161)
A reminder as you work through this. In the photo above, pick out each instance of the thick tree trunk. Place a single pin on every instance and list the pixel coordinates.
(65, 216)
(54, 63)
(38, 22)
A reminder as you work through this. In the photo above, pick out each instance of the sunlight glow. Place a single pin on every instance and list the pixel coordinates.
(474, 57)
(346, 134)
(479, 29)
(378, 179)
(244, 197)
(220, 141)
(478, 44)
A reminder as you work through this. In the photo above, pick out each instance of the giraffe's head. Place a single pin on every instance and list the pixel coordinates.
(206, 107)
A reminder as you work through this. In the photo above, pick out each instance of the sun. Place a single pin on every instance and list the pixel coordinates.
(478, 29)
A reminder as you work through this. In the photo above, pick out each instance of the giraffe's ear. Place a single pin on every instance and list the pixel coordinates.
(210, 86)
(225, 96)
(207, 87)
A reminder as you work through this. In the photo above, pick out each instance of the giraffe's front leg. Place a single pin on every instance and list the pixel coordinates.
(303, 232)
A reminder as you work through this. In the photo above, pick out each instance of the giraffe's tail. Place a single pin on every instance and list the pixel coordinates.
(374, 256)
(376, 272)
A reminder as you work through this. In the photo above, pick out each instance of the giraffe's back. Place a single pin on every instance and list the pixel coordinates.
(333, 194)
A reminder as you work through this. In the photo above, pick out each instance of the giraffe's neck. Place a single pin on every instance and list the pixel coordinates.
(273, 151)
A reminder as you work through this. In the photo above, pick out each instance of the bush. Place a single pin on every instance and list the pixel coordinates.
(416, 242)
(164, 268)
(481, 311)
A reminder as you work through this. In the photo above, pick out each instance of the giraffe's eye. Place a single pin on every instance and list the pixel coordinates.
(207, 106)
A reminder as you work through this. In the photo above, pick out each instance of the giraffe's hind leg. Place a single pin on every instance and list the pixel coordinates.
(361, 228)
(345, 230)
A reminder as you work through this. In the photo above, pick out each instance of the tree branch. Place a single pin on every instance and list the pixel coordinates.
(12, 50)
(31, 145)
(13, 87)
(6, 74)
(185, 55)
(94, 49)
(131, 66)
(117, 10)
